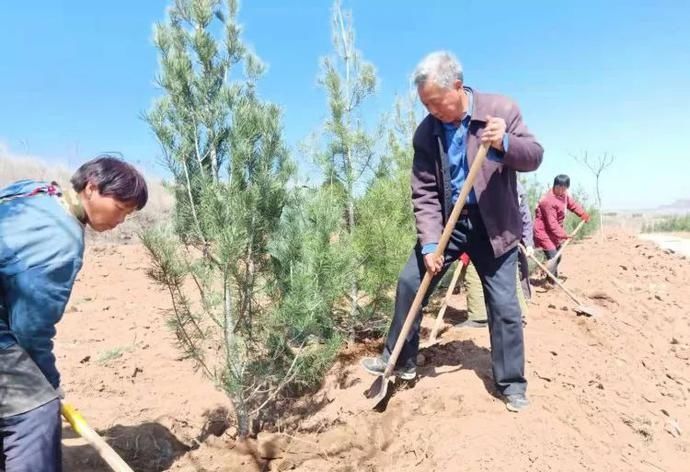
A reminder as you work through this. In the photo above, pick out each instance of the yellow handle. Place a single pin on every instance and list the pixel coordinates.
(82, 428)
(74, 418)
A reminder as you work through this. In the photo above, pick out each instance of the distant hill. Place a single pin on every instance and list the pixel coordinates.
(681, 205)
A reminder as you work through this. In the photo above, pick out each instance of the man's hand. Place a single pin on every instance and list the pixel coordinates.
(586, 217)
(433, 264)
(494, 131)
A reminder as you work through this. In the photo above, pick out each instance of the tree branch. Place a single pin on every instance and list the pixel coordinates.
(289, 376)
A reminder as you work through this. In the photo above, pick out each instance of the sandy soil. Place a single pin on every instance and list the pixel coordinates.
(608, 393)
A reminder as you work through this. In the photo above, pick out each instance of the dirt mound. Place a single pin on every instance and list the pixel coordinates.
(607, 393)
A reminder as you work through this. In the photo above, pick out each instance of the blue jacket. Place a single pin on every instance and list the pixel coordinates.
(41, 251)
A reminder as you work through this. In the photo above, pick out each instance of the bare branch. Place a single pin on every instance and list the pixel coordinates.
(596, 166)
(289, 377)
(184, 336)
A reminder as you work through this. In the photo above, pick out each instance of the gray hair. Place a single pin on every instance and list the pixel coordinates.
(439, 67)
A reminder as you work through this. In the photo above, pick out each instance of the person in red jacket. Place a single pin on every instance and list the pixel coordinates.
(549, 233)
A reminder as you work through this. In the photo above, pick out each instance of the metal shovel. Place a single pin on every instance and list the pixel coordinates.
(379, 389)
(580, 308)
(551, 263)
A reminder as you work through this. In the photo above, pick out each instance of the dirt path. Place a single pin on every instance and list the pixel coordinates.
(679, 243)
(607, 394)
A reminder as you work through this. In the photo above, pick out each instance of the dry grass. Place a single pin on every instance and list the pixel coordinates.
(13, 169)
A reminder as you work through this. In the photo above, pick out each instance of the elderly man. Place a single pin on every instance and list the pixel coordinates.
(445, 144)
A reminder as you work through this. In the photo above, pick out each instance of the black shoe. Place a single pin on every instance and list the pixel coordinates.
(516, 402)
(377, 366)
(472, 324)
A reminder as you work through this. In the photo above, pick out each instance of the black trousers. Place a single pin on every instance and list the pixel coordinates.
(498, 280)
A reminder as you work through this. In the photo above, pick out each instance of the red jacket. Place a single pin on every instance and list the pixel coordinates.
(549, 217)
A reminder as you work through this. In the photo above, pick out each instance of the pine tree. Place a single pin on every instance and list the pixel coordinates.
(348, 160)
(386, 230)
(224, 147)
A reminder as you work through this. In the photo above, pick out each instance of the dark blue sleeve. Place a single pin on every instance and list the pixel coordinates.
(35, 301)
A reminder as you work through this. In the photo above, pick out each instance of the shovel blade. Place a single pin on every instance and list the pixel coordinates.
(378, 391)
(429, 342)
(587, 310)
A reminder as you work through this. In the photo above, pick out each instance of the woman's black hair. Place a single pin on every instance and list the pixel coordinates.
(114, 178)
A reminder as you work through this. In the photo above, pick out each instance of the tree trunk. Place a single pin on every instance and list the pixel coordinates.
(214, 163)
(248, 289)
(188, 184)
(353, 288)
(601, 212)
(242, 418)
(349, 170)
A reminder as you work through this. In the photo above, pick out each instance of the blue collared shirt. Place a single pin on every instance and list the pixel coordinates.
(456, 143)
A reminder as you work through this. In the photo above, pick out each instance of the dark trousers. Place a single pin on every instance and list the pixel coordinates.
(30, 442)
(550, 254)
(498, 281)
(523, 269)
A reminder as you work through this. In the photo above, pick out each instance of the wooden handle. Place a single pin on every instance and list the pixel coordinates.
(459, 274)
(440, 249)
(560, 251)
(553, 277)
(104, 450)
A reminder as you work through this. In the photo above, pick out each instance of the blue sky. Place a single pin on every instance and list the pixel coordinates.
(611, 76)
